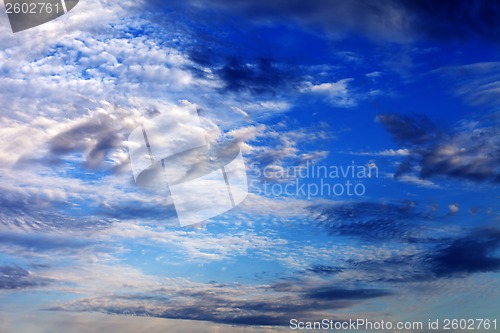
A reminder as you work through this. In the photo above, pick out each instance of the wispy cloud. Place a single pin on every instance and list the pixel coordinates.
(391, 20)
(477, 83)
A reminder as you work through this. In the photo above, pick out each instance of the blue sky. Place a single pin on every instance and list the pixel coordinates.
(409, 89)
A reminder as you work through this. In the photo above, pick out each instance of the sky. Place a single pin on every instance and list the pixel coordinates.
(369, 131)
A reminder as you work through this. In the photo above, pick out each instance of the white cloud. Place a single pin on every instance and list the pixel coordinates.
(417, 181)
(454, 208)
(373, 75)
(387, 152)
(337, 92)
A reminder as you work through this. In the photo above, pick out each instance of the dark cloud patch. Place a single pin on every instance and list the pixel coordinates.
(13, 277)
(371, 221)
(410, 130)
(99, 137)
(449, 19)
(261, 77)
(393, 20)
(472, 151)
(95, 139)
(40, 242)
(42, 213)
(474, 253)
(16, 204)
(134, 210)
(325, 270)
(204, 57)
(347, 294)
(225, 305)
(395, 269)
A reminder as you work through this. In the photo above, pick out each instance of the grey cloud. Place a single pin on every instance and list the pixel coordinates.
(96, 138)
(42, 242)
(262, 78)
(471, 252)
(349, 294)
(413, 130)
(133, 210)
(39, 213)
(223, 304)
(376, 222)
(13, 277)
(325, 270)
(470, 152)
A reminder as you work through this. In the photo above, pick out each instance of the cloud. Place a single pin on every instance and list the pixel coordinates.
(448, 20)
(51, 321)
(392, 20)
(42, 242)
(411, 179)
(453, 208)
(228, 304)
(376, 222)
(392, 152)
(477, 83)
(195, 246)
(34, 206)
(387, 152)
(337, 93)
(434, 258)
(470, 151)
(409, 130)
(262, 77)
(13, 277)
(98, 136)
(325, 270)
(288, 147)
(473, 253)
(429, 253)
(373, 75)
(336, 293)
